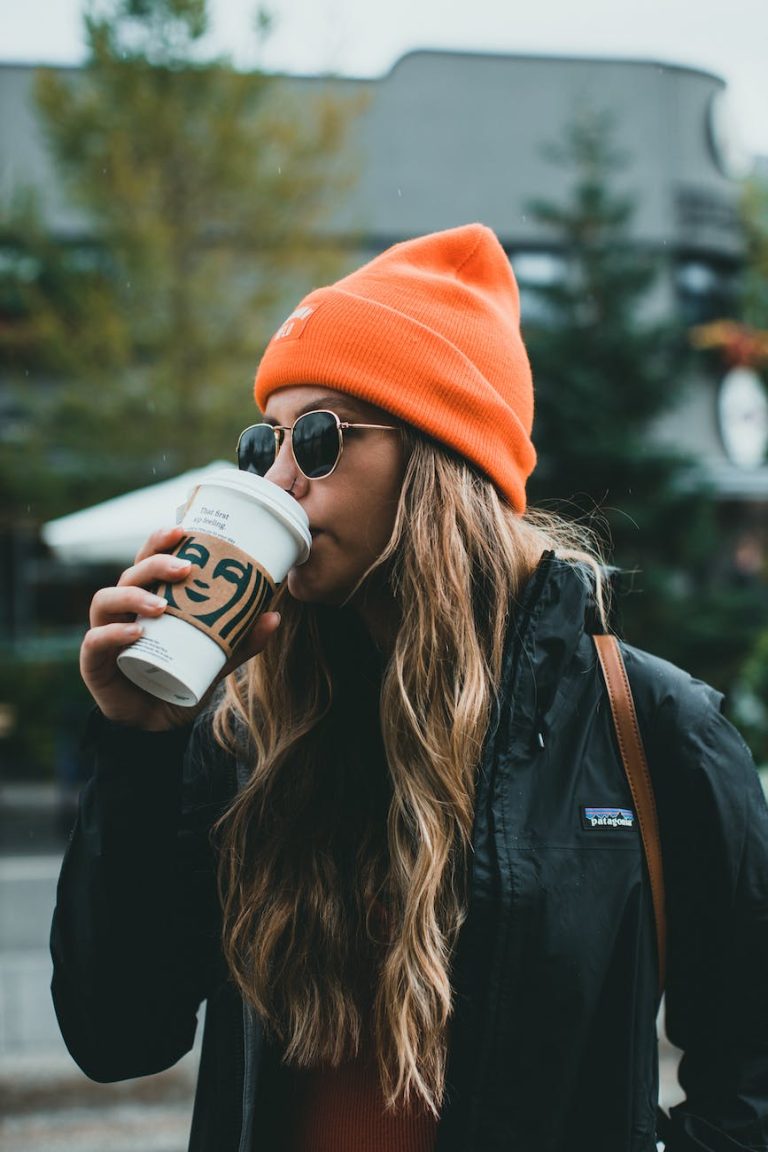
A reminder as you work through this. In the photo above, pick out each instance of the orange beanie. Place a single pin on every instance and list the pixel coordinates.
(430, 332)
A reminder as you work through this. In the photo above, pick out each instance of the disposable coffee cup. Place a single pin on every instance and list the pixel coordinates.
(242, 536)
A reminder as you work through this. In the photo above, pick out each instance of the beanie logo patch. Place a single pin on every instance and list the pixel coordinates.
(292, 327)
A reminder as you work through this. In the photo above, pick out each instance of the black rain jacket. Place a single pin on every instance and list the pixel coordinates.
(553, 1042)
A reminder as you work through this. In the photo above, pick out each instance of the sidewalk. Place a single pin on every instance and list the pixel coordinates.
(48, 1105)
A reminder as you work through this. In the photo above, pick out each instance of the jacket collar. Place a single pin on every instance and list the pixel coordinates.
(555, 610)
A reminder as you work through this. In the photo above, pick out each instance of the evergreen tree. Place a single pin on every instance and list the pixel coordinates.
(58, 322)
(204, 188)
(606, 369)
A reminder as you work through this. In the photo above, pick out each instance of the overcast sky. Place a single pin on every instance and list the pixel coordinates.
(361, 38)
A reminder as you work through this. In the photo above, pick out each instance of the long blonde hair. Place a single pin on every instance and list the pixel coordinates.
(300, 902)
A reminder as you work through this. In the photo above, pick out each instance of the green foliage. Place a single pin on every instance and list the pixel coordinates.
(54, 299)
(160, 31)
(752, 700)
(606, 369)
(56, 325)
(49, 703)
(204, 189)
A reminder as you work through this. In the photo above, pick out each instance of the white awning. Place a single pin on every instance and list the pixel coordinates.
(112, 532)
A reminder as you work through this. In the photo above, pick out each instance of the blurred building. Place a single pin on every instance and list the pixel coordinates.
(445, 138)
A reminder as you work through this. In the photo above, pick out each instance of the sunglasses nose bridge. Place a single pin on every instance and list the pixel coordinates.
(284, 471)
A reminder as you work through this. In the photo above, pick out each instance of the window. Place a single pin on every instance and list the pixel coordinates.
(536, 270)
(706, 290)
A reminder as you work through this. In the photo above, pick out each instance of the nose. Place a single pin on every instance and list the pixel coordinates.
(284, 472)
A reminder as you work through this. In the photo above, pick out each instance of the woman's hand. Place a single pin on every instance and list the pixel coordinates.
(113, 628)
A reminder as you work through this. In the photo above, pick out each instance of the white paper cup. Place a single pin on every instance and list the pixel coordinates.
(243, 535)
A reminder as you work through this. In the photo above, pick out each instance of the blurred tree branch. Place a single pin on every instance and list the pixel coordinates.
(206, 191)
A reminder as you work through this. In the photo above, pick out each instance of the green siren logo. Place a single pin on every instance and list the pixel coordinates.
(224, 592)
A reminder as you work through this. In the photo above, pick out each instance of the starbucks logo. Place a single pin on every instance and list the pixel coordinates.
(224, 592)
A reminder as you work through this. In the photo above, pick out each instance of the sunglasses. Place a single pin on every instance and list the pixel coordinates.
(317, 442)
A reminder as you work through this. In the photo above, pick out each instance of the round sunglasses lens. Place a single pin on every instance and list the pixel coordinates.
(316, 444)
(256, 450)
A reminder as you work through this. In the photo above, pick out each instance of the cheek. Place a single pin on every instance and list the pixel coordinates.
(358, 518)
(335, 565)
(375, 536)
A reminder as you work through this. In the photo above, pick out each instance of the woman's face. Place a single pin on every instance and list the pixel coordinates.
(351, 512)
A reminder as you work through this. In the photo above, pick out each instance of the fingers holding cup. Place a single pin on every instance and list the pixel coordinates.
(240, 536)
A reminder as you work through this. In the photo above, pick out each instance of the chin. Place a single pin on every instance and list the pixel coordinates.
(310, 588)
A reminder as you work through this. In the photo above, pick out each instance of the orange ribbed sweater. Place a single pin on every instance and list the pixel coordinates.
(342, 1110)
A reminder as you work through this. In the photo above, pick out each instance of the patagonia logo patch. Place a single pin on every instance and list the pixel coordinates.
(607, 818)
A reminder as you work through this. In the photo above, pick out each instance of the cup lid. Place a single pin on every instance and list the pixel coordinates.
(265, 492)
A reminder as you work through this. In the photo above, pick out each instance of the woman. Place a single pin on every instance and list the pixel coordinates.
(370, 853)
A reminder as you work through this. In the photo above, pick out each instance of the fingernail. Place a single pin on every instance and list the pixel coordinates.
(156, 602)
(134, 629)
(177, 563)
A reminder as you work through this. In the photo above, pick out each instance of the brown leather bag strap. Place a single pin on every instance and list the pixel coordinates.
(636, 767)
